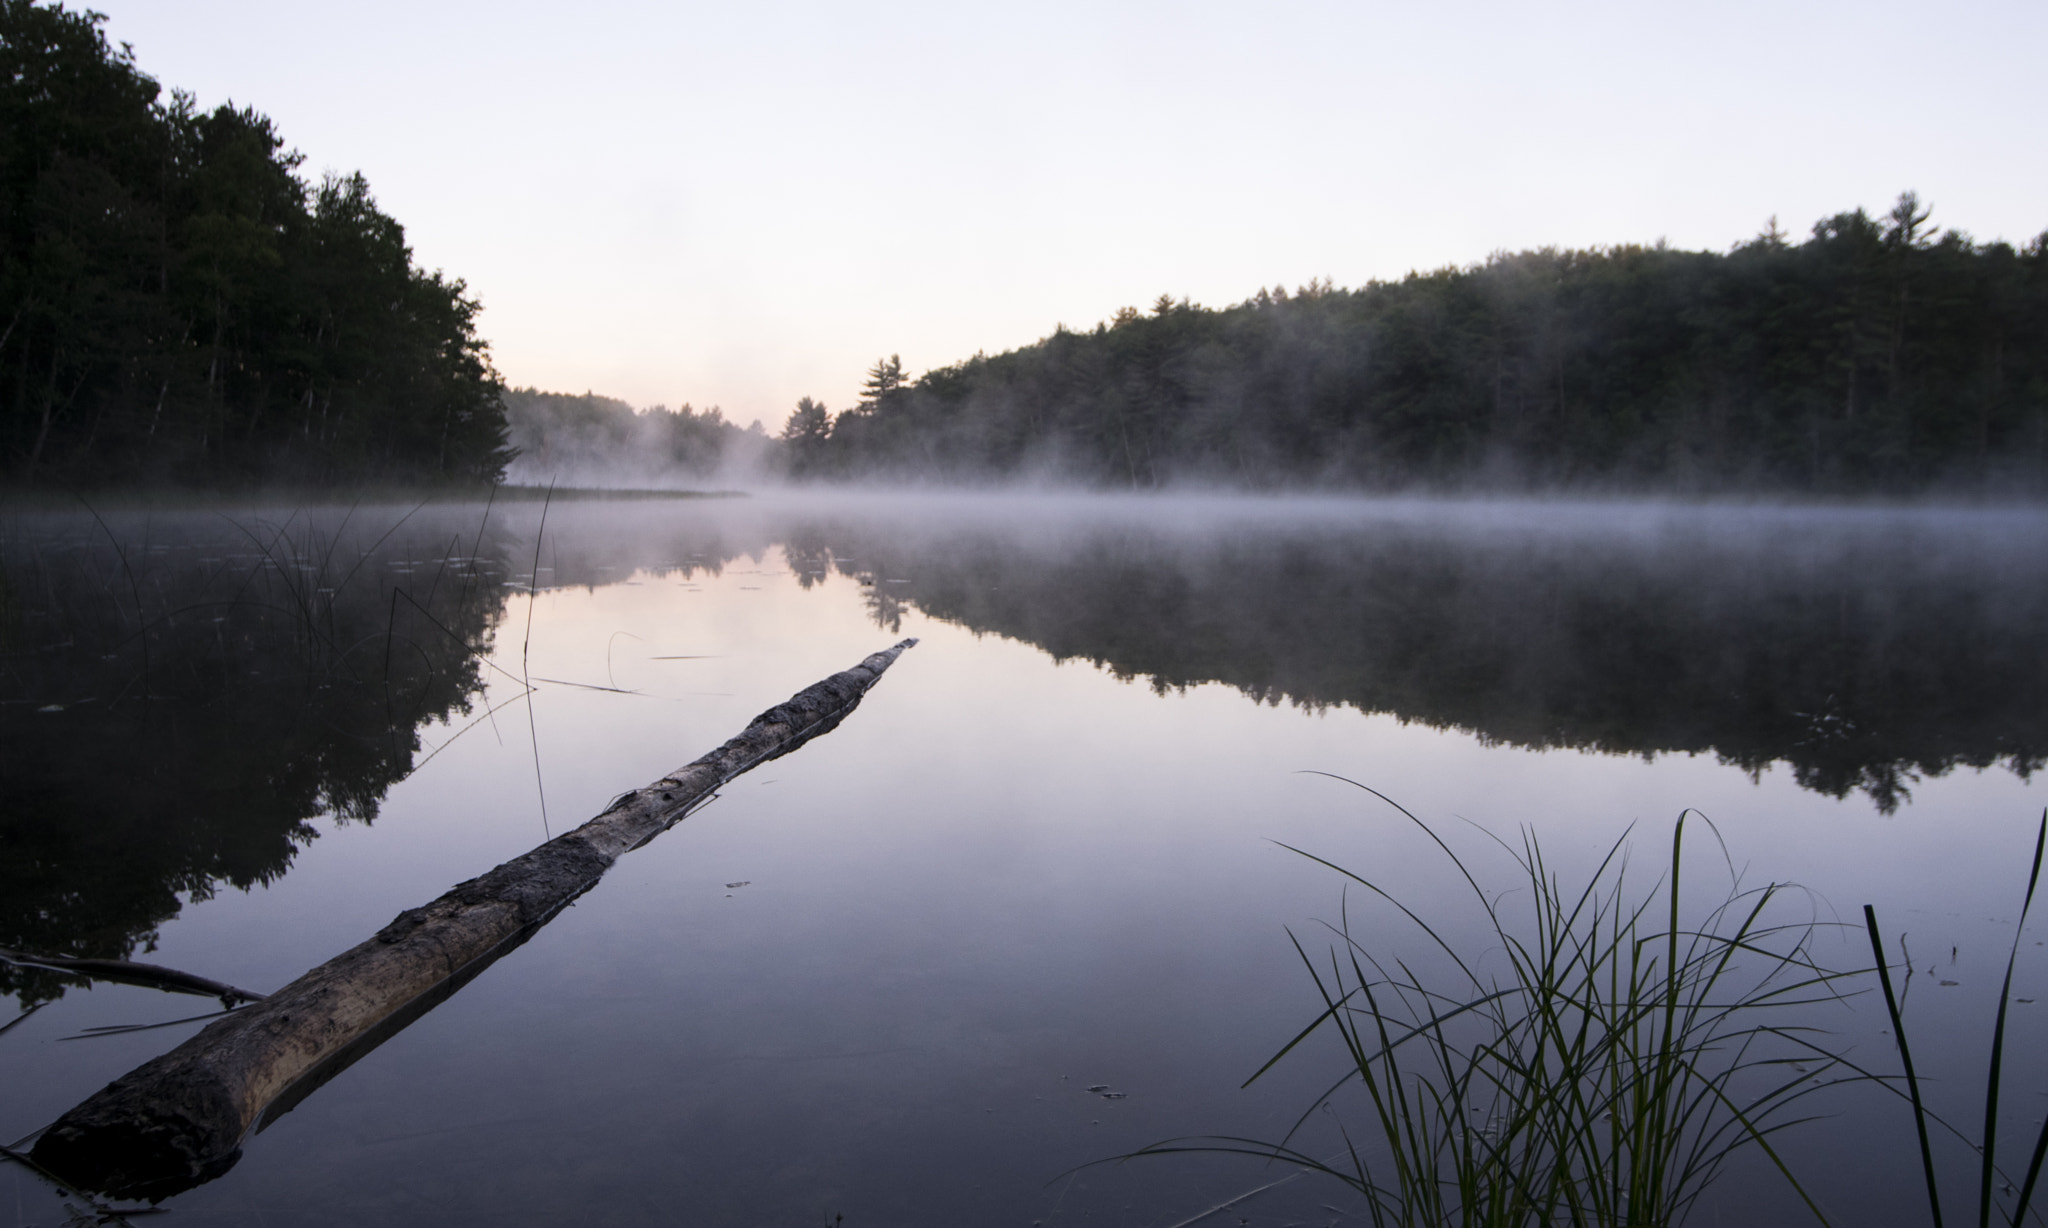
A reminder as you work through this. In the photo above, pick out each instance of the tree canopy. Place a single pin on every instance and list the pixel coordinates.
(1878, 355)
(178, 302)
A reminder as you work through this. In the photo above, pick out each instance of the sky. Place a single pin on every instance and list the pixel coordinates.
(742, 204)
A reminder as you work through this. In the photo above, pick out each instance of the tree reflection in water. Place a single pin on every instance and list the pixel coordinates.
(183, 695)
(1861, 652)
(180, 697)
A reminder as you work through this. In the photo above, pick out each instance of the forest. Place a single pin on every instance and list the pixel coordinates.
(1878, 355)
(178, 303)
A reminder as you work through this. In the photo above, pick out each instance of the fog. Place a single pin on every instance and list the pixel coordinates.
(600, 442)
(1865, 647)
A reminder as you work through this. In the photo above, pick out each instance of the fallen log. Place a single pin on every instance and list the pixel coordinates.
(180, 1119)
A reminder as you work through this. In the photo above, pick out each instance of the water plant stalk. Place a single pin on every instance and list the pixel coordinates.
(1602, 1079)
(1988, 1170)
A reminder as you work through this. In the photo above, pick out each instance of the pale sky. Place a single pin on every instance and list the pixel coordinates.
(742, 204)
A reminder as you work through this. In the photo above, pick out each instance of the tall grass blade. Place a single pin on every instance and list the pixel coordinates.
(1993, 1079)
(525, 647)
(1602, 1078)
(1891, 1006)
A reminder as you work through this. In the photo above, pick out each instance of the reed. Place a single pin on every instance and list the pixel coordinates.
(1603, 1077)
(1989, 1174)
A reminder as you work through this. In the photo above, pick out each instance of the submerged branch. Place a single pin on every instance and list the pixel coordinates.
(149, 976)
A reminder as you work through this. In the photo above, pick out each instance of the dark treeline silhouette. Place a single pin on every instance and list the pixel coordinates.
(177, 303)
(179, 698)
(1879, 355)
(1861, 656)
(593, 440)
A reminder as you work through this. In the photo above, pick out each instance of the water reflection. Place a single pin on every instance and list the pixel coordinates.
(1862, 651)
(922, 947)
(182, 694)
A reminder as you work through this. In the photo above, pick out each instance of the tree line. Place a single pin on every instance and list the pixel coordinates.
(177, 302)
(1879, 354)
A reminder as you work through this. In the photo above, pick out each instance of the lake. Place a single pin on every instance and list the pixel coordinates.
(1052, 851)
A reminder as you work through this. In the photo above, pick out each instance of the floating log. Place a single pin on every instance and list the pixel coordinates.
(180, 1119)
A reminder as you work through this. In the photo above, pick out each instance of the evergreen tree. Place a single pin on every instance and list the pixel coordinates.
(1879, 355)
(177, 302)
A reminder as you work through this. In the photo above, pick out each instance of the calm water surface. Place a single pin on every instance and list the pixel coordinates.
(877, 977)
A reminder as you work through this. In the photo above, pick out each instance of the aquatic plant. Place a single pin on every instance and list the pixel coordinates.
(1988, 1171)
(1604, 1077)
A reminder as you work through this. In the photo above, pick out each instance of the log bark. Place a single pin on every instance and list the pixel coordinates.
(180, 1119)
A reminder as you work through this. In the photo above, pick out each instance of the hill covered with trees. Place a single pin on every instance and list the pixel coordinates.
(178, 303)
(1877, 355)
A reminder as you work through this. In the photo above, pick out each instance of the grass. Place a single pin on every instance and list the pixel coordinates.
(1600, 1068)
(1622, 1056)
(1989, 1174)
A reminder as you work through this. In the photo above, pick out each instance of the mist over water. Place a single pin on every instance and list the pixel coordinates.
(600, 442)
(877, 976)
(1863, 647)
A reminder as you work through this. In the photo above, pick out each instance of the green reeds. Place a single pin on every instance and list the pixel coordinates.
(1987, 1168)
(1603, 1077)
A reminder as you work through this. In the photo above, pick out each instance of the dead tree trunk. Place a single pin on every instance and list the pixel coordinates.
(179, 1119)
